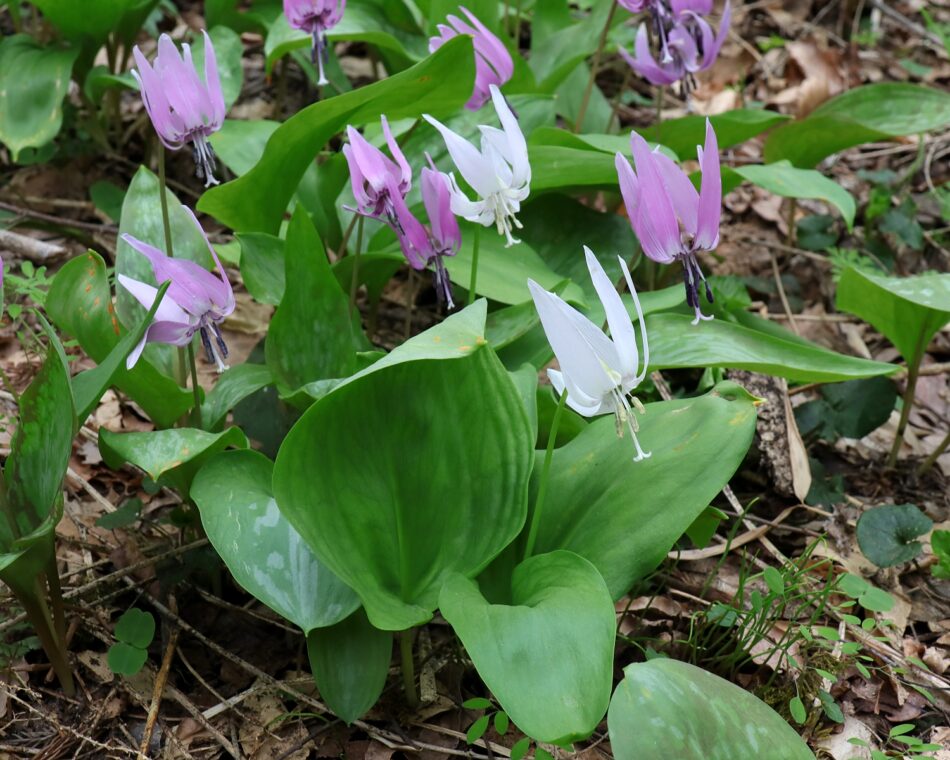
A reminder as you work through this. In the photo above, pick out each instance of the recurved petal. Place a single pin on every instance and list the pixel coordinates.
(437, 197)
(656, 223)
(518, 148)
(636, 379)
(168, 310)
(621, 329)
(681, 191)
(577, 400)
(213, 83)
(221, 292)
(470, 162)
(710, 196)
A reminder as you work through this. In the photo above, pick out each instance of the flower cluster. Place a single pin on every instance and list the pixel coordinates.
(315, 17)
(683, 42)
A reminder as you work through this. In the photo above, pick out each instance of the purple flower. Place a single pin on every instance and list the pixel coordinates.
(423, 246)
(493, 64)
(196, 301)
(376, 179)
(315, 17)
(636, 6)
(183, 109)
(684, 40)
(671, 220)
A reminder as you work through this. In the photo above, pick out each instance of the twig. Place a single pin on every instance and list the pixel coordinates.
(159, 689)
(30, 248)
(38, 215)
(781, 293)
(692, 555)
(895, 15)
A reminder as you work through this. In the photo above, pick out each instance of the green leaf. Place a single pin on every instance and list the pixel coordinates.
(887, 534)
(33, 82)
(125, 659)
(136, 628)
(477, 703)
(675, 343)
(732, 128)
(107, 197)
(797, 709)
(547, 657)
(477, 729)
(907, 310)
(831, 708)
(554, 167)
(175, 455)
(870, 113)
(40, 449)
(264, 553)
(789, 181)
(92, 20)
(940, 544)
(851, 410)
(624, 516)
(381, 522)
(350, 662)
(262, 266)
(142, 219)
(520, 748)
(501, 723)
(257, 200)
(124, 516)
(774, 580)
(664, 703)
(314, 335)
(80, 304)
(228, 51)
(233, 386)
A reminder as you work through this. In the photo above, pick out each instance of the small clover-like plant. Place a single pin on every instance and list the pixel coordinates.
(134, 632)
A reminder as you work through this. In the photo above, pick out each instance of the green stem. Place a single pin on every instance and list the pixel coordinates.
(195, 388)
(166, 219)
(545, 472)
(355, 278)
(473, 278)
(594, 67)
(932, 459)
(56, 599)
(913, 369)
(37, 612)
(408, 668)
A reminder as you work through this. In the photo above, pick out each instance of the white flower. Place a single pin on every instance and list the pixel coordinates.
(499, 173)
(597, 372)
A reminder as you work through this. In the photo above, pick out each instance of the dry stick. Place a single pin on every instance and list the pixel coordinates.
(781, 293)
(159, 687)
(594, 66)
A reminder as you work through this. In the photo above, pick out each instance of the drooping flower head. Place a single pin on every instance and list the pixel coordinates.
(493, 64)
(499, 172)
(183, 108)
(377, 179)
(424, 246)
(196, 301)
(683, 42)
(315, 17)
(597, 372)
(671, 220)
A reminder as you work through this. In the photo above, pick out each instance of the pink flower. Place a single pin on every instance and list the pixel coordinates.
(183, 109)
(493, 64)
(376, 179)
(671, 220)
(423, 246)
(315, 17)
(196, 301)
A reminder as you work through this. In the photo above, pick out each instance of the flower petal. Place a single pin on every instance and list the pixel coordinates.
(213, 84)
(710, 196)
(472, 165)
(518, 148)
(621, 328)
(656, 223)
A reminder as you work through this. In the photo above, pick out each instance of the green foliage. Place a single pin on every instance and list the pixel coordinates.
(940, 543)
(134, 632)
(782, 178)
(548, 656)
(887, 534)
(850, 410)
(664, 703)
(31, 112)
(264, 553)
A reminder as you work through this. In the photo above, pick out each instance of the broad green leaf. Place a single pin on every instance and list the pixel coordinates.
(547, 657)
(266, 556)
(125, 659)
(33, 83)
(80, 304)
(314, 335)
(235, 385)
(624, 516)
(262, 266)
(228, 51)
(376, 269)
(173, 455)
(675, 343)
(554, 167)
(382, 522)
(503, 272)
(257, 200)
(142, 219)
(870, 113)
(135, 627)
(40, 449)
(789, 181)
(88, 386)
(350, 662)
(732, 128)
(565, 45)
(91, 20)
(665, 708)
(888, 534)
(907, 310)
(850, 410)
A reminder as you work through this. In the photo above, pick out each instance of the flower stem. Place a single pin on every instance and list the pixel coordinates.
(408, 668)
(932, 459)
(545, 472)
(195, 389)
(355, 278)
(166, 219)
(594, 67)
(913, 369)
(473, 278)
